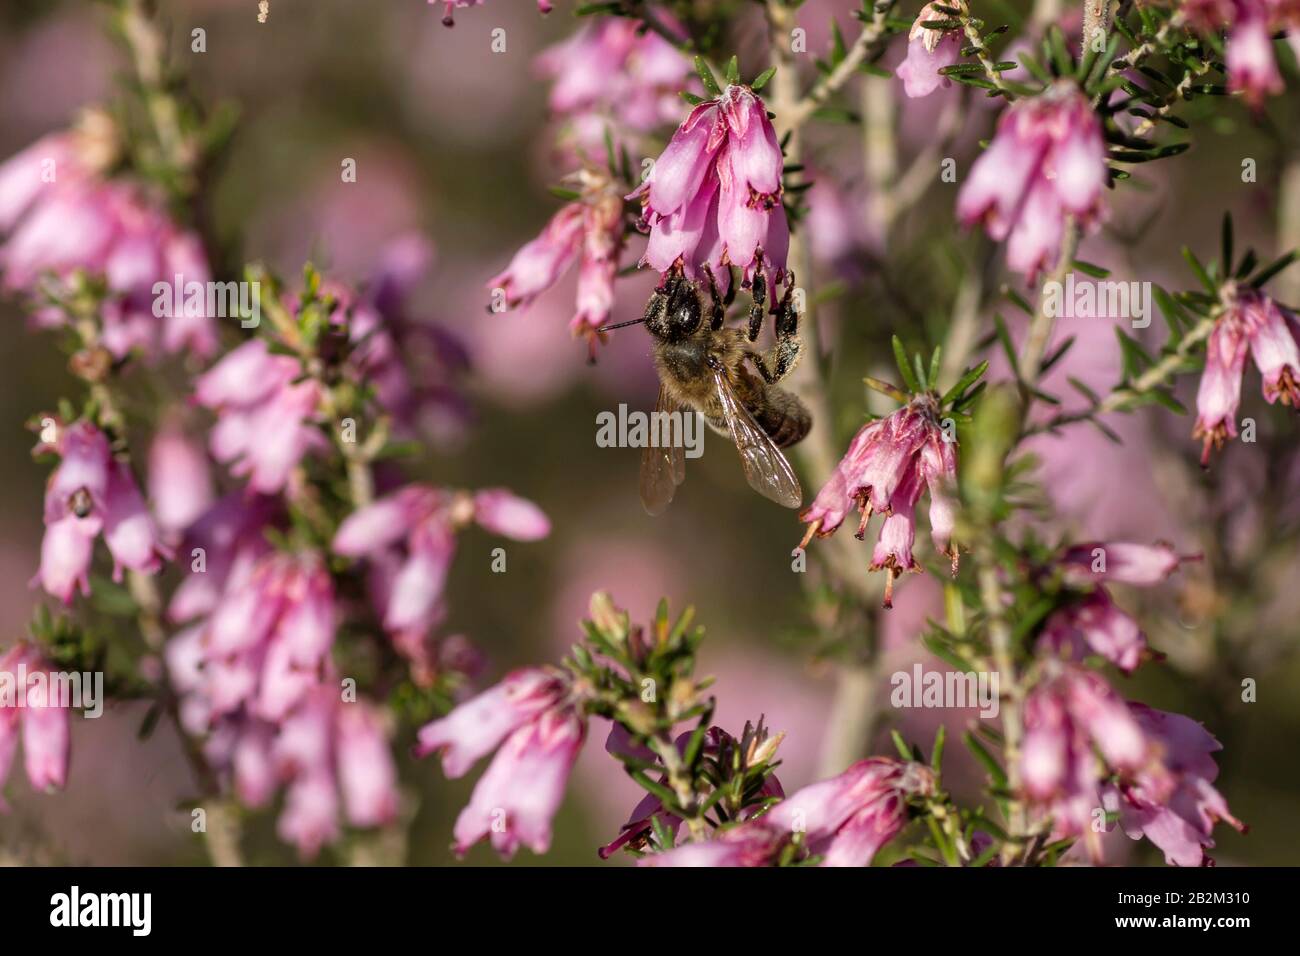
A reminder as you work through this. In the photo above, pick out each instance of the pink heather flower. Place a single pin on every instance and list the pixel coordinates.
(367, 775)
(510, 516)
(1273, 349)
(1121, 562)
(1250, 26)
(1219, 393)
(717, 744)
(713, 199)
(1250, 321)
(410, 538)
(264, 416)
(751, 844)
(253, 764)
(1077, 733)
(1252, 67)
(1179, 819)
(539, 264)
(848, 818)
(1095, 625)
(44, 724)
(928, 52)
(229, 535)
(479, 725)
(844, 820)
(59, 216)
(517, 797)
(614, 74)
(266, 643)
(25, 177)
(539, 732)
(1047, 160)
(325, 748)
(66, 553)
(179, 481)
(591, 228)
(884, 471)
(310, 817)
(312, 742)
(88, 493)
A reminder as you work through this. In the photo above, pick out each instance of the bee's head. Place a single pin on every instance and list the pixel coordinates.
(674, 313)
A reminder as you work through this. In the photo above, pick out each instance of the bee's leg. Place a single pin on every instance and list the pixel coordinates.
(781, 359)
(730, 296)
(786, 324)
(759, 292)
(716, 310)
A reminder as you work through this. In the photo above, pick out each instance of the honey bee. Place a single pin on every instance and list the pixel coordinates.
(705, 366)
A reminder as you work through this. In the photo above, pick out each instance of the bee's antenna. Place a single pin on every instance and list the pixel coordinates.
(621, 325)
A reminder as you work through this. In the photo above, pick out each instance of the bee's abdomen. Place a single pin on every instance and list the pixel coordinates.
(783, 417)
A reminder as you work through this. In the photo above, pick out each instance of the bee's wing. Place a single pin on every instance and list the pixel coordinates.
(765, 467)
(662, 469)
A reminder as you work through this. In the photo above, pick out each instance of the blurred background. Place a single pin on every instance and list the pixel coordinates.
(453, 140)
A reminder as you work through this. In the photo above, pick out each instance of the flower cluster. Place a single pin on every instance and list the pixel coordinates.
(409, 540)
(718, 748)
(266, 414)
(1249, 322)
(60, 217)
(843, 821)
(593, 228)
(889, 463)
(1047, 162)
(259, 686)
(1093, 623)
(1086, 749)
(713, 198)
(614, 74)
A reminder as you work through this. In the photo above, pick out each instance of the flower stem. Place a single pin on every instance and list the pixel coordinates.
(872, 36)
(973, 37)
(1040, 329)
(683, 785)
(1012, 716)
(148, 47)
